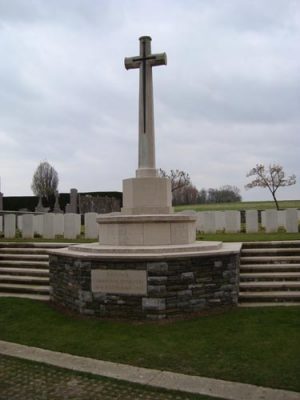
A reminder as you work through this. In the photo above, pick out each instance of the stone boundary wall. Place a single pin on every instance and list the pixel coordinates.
(174, 287)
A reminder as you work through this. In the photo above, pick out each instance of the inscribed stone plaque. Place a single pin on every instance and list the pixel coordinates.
(119, 281)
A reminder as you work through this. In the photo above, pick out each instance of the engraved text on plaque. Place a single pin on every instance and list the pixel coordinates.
(119, 281)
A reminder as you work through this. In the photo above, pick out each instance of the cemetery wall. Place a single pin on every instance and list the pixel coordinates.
(173, 287)
(16, 203)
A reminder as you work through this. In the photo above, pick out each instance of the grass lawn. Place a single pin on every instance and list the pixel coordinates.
(258, 346)
(244, 205)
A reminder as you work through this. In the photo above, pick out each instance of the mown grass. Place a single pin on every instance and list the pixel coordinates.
(258, 346)
(244, 205)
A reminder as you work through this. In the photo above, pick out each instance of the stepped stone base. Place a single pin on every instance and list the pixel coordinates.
(146, 230)
(147, 195)
(144, 285)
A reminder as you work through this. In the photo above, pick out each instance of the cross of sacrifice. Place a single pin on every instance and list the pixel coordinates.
(145, 61)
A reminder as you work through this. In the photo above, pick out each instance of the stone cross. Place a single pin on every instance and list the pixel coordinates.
(145, 61)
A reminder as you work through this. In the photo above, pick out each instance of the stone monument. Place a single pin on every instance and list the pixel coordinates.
(56, 208)
(72, 207)
(147, 263)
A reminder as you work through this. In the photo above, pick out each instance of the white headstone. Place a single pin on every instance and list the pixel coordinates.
(232, 221)
(71, 224)
(251, 221)
(20, 222)
(271, 221)
(91, 228)
(199, 222)
(48, 226)
(38, 223)
(281, 218)
(291, 220)
(220, 220)
(59, 224)
(199, 225)
(209, 221)
(263, 219)
(9, 226)
(28, 226)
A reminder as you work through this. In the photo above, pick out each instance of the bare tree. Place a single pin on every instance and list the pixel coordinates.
(45, 180)
(272, 178)
(179, 179)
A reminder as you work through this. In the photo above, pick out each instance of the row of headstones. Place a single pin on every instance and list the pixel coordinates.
(49, 225)
(230, 221)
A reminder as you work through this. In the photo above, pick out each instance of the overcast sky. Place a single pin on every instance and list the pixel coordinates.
(228, 99)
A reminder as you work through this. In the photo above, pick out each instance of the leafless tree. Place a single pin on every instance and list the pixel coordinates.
(45, 180)
(272, 178)
(179, 179)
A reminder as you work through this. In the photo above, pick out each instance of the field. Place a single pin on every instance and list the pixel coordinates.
(244, 205)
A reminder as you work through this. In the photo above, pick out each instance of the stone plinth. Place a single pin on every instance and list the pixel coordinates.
(146, 230)
(140, 285)
(150, 195)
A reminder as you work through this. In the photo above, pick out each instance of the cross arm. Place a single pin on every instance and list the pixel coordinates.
(132, 62)
(155, 59)
(159, 59)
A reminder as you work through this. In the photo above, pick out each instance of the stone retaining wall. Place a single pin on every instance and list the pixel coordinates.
(174, 287)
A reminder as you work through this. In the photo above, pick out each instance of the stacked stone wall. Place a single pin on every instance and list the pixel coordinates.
(174, 287)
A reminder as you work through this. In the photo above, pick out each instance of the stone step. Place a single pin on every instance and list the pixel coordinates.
(19, 279)
(269, 285)
(39, 297)
(270, 251)
(21, 250)
(24, 271)
(256, 276)
(19, 288)
(270, 304)
(25, 257)
(270, 295)
(270, 260)
(32, 245)
(270, 267)
(20, 263)
(277, 244)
